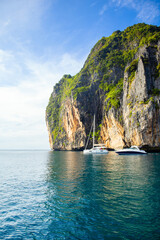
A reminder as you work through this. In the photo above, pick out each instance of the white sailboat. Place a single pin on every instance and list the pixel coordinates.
(97, 148)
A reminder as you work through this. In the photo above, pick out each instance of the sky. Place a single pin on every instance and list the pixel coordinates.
(40, 41)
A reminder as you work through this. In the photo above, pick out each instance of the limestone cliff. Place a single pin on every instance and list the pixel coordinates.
(120, 83)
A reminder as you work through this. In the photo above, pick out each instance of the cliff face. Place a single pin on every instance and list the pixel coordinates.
(120, 83)
(141, 113)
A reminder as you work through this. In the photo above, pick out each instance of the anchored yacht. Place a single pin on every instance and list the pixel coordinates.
(131, 150)
(97, 148)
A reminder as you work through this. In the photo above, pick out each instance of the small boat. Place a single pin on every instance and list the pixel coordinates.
(131, 150)
(97, 148)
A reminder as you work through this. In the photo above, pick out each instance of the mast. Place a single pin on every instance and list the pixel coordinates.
(93, 126)
(93, 129)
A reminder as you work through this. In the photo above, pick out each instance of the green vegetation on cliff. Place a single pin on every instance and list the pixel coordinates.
(55, 105)
(114, 94)
(132, 69)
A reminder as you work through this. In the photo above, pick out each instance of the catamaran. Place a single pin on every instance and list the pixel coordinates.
(97, 148)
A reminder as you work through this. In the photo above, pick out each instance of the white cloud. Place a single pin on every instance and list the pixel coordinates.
(26, 81)
(104, 8)
(22, 105)
(9, 67)
(20, 14)
(123, 2)
(147, 10)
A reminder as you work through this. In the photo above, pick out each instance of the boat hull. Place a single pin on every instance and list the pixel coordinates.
(133, 150)
(130, 152)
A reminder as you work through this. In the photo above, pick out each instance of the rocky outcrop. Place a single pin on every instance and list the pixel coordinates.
(120, 83)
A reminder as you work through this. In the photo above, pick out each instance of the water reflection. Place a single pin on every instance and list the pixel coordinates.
(103, 197)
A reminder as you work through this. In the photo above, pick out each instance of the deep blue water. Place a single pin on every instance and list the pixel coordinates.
(67, 195)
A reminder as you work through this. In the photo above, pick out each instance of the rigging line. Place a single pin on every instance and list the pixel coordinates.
(89, 135)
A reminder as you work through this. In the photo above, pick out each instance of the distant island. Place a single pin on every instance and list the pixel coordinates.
(120, 84)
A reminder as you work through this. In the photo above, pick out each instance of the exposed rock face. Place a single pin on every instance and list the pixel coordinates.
(120, 83)
(141, 113)
(73, 126)
(112, 132)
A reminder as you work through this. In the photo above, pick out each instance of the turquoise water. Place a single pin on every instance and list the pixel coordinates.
(67, 195)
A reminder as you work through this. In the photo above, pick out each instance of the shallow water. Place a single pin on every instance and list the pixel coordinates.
(68, 195)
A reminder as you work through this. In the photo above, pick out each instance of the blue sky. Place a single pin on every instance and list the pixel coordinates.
(40, 41)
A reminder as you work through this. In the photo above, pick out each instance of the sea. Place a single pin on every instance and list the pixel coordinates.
(70, 196)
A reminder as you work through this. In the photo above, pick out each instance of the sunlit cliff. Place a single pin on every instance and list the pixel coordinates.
(120, 83)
